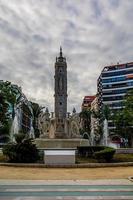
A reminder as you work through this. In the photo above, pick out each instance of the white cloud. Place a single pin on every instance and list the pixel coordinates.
(93, 33)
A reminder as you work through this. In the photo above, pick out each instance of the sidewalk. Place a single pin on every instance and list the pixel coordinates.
(67, 182)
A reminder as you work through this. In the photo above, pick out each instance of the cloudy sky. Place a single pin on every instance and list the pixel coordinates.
(92, 33)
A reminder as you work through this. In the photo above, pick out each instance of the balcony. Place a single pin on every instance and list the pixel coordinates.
(114, 95)
(119, 83)
(118, 87)
(112, 101)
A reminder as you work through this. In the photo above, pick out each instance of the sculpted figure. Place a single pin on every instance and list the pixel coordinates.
(75, 124)
(44, 123)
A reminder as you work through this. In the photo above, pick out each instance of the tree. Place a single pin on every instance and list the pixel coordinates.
(102, 115)
(100, 124)
(7, 98)
(106, 112)
(106, 115)
(123, 119)
(36, 111)
(22, 151)
(85, 116)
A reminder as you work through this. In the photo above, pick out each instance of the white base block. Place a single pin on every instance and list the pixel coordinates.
(60, 156)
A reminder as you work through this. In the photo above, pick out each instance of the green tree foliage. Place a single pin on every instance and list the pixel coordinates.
(101, 115)
(123, 119)
(7, 97)
(36, 111)
(85, 116)
(106, 112)
(23, 151)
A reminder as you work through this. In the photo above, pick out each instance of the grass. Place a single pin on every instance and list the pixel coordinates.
(85, 160)
(116, 158)
(123, 158)
(2, 157)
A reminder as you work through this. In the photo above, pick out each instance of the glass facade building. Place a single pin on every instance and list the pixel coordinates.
(113, 83)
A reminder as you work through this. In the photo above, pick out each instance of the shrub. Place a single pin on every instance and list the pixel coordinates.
(88, 151)
(4, 133)
(105, 154)
(23, 151)
(2, 157)
(19, 137)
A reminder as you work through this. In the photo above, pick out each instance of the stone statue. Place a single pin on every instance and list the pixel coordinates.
(75, 124)
(44, 123)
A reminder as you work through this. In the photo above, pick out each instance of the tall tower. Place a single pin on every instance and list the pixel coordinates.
(60, 95)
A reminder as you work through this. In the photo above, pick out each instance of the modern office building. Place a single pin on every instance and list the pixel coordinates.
(112, 85)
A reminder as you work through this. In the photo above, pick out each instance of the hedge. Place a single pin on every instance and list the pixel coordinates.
(105, 154)
(88, 151)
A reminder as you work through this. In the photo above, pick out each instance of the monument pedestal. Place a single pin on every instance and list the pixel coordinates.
(60, 135)
(61, 143)
(59, 156)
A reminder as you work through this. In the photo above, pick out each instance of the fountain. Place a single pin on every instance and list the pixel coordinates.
(105, 132)
(61, 130)
(31, 132)
(15, 123)
(19, 121)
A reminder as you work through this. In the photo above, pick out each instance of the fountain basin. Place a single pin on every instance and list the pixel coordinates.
(60, 143)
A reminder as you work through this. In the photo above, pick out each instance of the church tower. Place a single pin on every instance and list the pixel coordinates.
(60, 95)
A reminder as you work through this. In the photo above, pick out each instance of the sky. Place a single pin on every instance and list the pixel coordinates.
(92, 33)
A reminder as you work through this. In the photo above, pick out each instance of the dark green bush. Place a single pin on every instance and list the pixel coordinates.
(19, 137)
(4, 133)
(88, 151)
(105, 155)
(23, 151)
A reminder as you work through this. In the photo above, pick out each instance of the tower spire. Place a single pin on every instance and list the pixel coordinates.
(60, 51)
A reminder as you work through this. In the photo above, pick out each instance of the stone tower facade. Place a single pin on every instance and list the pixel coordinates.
(60, 95)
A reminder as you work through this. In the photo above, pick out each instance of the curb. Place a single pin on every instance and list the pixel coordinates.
(86, 165)
(130, 178)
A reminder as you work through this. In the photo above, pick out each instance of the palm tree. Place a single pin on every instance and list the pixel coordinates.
(7, 97)
(36, 111)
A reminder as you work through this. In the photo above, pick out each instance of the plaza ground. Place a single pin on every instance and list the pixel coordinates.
(25, 173)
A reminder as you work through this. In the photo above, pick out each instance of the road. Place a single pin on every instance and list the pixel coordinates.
(77, 190)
